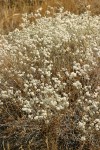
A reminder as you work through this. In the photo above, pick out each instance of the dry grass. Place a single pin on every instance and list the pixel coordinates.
(10, 11)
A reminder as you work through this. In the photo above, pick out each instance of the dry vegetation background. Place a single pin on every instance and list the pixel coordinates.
(10, 11)
(17, 132)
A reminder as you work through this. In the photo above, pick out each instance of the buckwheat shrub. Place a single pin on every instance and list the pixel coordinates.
(52, 65)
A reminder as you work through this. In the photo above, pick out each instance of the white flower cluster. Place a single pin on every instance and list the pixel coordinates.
(77, 84)
(52, 64)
